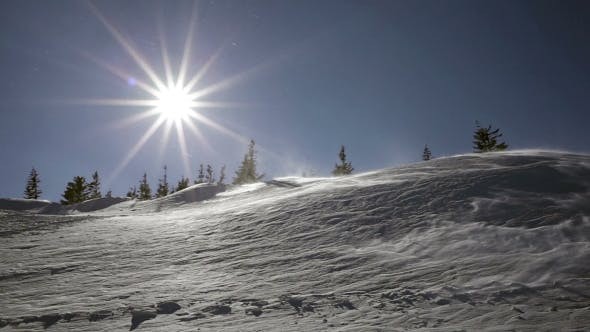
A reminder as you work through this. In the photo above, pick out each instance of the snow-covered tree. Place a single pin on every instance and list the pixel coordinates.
(145, 192)
(221, 175)
(209, 176)
(182, 183)
(163, 184)
(486, 139)
(32, 190)
(426, 154)
(345, 167)
(93, 187)
(246, 173)
(200, 175)
(76, 191)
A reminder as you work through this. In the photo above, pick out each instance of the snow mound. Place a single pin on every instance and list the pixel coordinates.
(28, 205)
(96, 204)
(47, 207)
(183, 198)
(497, 241)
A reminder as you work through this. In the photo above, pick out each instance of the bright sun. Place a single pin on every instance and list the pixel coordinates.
(174, 100)
(174, 104)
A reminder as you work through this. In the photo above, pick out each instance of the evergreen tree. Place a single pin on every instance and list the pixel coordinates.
(246, 173)
(344, 168)
(145, 192)
(32, 190)
(486, 139)
(93, 188)
(163, 184)
(200, 175)
(182, 183)
(221, 175)
(109, 194)
(209, 177)
(426, 154)
(132, 193)
(76, 191)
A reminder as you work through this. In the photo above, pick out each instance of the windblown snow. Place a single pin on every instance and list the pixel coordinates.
(494, 242)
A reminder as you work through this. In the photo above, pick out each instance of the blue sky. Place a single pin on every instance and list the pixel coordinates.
(381, 77)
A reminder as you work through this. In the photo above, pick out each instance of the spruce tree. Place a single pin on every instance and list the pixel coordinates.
(163, 184)
(486, 139)
(426, 154)
(209, 176)
(344, 168)
(93, 187)
(76, 191)
(32, 190)
(145, 192)
(246, 173)
(200, 175)
(132, 193)
(221, 176)
(182, 183)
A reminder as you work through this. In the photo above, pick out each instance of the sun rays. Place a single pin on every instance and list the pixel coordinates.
(173, 100)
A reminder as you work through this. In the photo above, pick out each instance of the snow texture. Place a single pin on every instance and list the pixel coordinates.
(492, 242)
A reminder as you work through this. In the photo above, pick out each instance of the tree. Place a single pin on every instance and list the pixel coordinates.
(132, 193)
(182, 183)
(200, 175)
(32, 190)
(93, 188)
(221, 175)
(76, 191)
(344, 168)
(145, 192)
(426, 154)
(246, 173)
(209, 177)
(486, 139)
(163, 184)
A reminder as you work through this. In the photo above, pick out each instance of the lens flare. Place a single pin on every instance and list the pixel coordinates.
(174, 99)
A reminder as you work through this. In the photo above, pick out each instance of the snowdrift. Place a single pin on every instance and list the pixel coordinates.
(28, 205)
(495, 241)
(47, 207)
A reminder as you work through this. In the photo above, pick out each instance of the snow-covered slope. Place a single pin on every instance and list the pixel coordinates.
(495, 242)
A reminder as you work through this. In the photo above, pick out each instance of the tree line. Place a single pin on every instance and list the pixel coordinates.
(485, 139)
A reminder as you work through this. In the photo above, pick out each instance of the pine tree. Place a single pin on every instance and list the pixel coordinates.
(209, 177)
(163, 184)
(246, 173)
(132, 193)
(200, 175)
(426, 154)
(145, 192)
(182, 184)
(93, 188)
(32, 190)
(76, 191)
(486, 139)
(221, 176)
(109, 194)
(344, 168)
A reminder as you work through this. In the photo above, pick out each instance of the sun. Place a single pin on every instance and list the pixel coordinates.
(174, 104)
(175, 99)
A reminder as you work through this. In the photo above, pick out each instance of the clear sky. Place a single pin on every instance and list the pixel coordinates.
(300, 77)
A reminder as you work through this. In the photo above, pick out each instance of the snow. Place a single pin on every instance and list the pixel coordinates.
(497, 242)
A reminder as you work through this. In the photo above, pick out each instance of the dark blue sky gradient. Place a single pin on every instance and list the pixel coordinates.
(381, 77)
